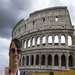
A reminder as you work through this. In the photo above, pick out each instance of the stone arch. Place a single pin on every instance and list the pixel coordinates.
(56, 40)
(44, 40)
(69, 40)
(37, 59)
(32, 60)
(63, 60)
(63, 40)
(27, 60)
(23, 60)
(24, 44)
(29, 42)
(50, 39)
(43, 60)
(70, 61)
(33, 41)
(24, 73)
(56, 60)
(49, 59)
(38, 40)
(20, 61)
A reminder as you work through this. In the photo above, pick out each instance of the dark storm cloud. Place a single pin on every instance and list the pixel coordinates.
(11, 11)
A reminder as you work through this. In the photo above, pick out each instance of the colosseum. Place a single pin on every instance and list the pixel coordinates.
(47, 43)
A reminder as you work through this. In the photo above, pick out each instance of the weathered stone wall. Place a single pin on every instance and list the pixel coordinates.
(56, 18)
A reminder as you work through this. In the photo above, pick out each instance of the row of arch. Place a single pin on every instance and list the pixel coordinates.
(50, 39)
(42, 60)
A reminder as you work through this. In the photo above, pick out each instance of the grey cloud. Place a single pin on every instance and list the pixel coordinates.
(21, 4)
(10, 13)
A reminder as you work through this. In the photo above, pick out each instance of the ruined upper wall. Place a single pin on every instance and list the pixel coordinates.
(50, 18)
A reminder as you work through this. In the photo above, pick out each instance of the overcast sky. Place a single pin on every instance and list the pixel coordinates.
(11, 11)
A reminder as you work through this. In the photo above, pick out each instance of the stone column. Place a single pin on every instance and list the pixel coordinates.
(59, 39)
(36, 41)
(31, 41)
(53, 60)
(67, 61)
(66, 39)
(52, 39)
(40, 40)
(25, 60)
(34, 59)
(23, 41)
(26, 43)
(46, 61)
(46, 40)
(40, 59)
(60, 61)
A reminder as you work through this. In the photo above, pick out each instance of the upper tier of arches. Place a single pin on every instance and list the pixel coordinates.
(50, 40)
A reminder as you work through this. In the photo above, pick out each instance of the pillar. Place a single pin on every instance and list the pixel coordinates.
(60, 61)
(46, 40)
(59, 39)
(40, 40)
(34, 59)
(67, 61)
(40, 59)
(53, 60)
(66, 39)
(52, 39)
(46, 61)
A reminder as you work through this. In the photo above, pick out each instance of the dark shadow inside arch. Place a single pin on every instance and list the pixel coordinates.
(49, 59)
(32, 60)
(70, 61)
(63, 60)
(43, 60)
(27, 60)
(56, 60)
(23, 60)
(37, 59)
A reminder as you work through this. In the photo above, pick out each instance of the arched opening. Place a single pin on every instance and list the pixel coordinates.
(32, 59)
(33, 41)
(63, 60)
(27, 60)
(50, 40)
(62, 40)
(56, 19)
(44, 40)
(29, 41)
(69, 40)
(23, 60)
(23, 73)
(20, 61)
(37, 59)
(43, 60)
(38, 40)
(49, 59)
(70, 61)
(56, 40)
(56, 61)
(24, 44)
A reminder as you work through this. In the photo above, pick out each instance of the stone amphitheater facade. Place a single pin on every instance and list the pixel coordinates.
(47, 41)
